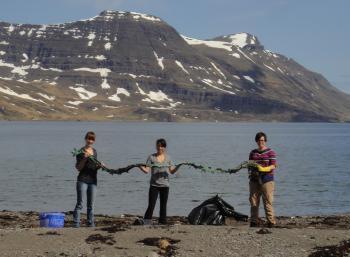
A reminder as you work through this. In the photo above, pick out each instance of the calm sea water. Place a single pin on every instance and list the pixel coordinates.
(37, 169)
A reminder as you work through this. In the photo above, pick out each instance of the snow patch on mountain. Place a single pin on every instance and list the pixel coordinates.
(15, 69)
(108, 46)
(75, 102)
(249, 78)
(210, 83)
(181, 66)
(241, 39)
(10, 29)
(9, 91)
(246, 56)
(218, 70)
(91, 36)
(270, 68)
(25, 58)
(210, 43)
(103, 73)
(47, 97)
(138, 16)
(159, 60)
(120, 91)
(236, 55)
(83, 93)
(49, 69)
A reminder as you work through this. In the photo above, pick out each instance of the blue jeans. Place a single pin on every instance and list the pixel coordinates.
(90, 191)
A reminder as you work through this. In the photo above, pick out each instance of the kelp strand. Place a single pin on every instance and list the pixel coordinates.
(202, 168)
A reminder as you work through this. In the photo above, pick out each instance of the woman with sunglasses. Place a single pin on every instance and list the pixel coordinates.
(87, 180)
(262, 181)
(160, 165)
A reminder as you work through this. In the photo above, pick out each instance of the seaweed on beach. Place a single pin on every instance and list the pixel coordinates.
(165, 244)
(50, 233)
(340, 250)
(114, 228)
(98, 238)
(28, 219)
(263, 231)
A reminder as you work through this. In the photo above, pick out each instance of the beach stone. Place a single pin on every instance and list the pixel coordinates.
(152, 254)
(263, 231)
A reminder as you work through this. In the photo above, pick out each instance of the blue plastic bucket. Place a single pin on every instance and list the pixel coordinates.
(51, 219)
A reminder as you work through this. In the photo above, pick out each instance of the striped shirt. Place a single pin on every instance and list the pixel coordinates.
(264, 158)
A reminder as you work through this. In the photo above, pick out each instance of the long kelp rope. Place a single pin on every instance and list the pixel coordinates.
(203, 168)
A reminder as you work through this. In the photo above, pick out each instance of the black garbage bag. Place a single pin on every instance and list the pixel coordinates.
(213, 212)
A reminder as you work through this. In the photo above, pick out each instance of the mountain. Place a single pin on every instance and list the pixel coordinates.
(132, 66)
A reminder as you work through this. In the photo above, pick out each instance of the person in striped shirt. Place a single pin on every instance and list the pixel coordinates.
(262, 181)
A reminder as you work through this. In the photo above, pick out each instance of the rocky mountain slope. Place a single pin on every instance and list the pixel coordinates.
(131, 66)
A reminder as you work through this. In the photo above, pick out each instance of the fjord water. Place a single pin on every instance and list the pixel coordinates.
(37, 169)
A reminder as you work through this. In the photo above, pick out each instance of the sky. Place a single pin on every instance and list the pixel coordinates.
(315, 33)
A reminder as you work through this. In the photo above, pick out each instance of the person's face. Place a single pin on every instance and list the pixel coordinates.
(261, 142)
(160, 149)
(89, 141)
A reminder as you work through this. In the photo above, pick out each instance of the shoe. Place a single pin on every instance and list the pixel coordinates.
(76, 225)
(138, 222)
(147, 222)
(270, 225)
(254, 225)
(92, 225)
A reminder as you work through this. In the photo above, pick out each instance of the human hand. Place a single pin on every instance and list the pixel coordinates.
(263, 169)
(87, 153)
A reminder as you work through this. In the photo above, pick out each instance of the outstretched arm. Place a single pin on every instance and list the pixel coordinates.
(145, 169)
(174, 169)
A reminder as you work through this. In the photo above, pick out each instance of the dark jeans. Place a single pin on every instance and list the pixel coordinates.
(152, 199)
(88, 190)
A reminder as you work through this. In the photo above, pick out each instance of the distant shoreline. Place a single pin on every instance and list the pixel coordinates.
(185, 122)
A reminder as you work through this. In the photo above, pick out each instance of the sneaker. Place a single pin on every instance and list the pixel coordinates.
(254, 225)
(92, 225)
(138, 222)
(270, 225)
(147, 222)
(76, 225)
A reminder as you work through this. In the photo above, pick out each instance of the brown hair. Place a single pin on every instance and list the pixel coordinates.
(161, 142)
(260, 135)
(90, 134)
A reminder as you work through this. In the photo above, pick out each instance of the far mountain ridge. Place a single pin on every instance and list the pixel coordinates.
(132, 66)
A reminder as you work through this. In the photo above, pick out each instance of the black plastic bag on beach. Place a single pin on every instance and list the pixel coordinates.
(213, 212)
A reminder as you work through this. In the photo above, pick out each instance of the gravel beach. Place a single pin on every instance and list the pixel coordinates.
(314, 236)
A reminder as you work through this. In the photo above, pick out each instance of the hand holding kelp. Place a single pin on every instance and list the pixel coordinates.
(76, 152)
